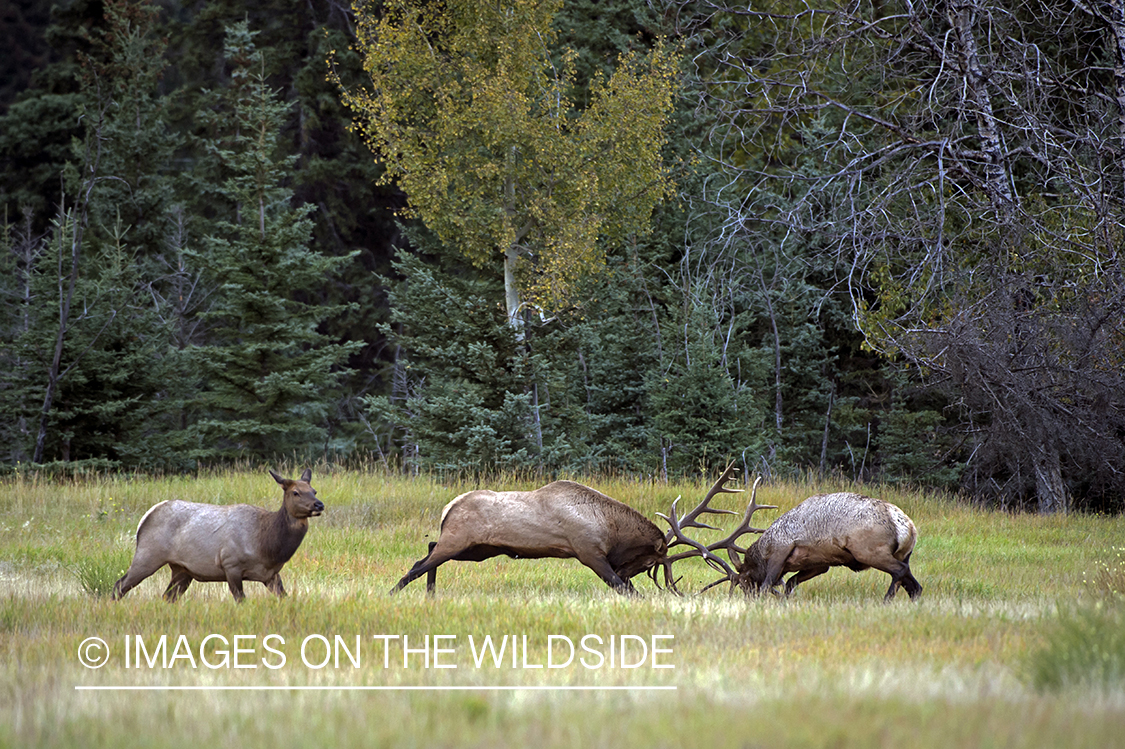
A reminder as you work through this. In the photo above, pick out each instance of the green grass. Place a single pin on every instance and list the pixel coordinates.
(1016, 641)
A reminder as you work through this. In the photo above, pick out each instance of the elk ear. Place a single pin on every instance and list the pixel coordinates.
(278, 479)
(307, 475)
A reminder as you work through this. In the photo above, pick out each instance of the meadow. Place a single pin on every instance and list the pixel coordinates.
(1017, 639)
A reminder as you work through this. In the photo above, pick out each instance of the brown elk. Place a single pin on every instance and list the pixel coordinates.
(213, 543)
(828, 530)
(562, 519)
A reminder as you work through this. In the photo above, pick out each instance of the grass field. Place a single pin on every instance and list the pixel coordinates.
(1017, 640)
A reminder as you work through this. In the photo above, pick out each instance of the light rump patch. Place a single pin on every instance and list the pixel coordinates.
(445, 510)
(905, 531)
(842, 529)
(147, 513)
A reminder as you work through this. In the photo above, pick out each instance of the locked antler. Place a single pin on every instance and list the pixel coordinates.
(677, 536)
(691, 519)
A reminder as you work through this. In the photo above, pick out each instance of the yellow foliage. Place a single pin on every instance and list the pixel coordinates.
(474, 120)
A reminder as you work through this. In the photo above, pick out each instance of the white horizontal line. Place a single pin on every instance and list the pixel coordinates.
(185, 688)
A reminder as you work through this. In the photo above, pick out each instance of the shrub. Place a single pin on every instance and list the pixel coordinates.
(98, 572)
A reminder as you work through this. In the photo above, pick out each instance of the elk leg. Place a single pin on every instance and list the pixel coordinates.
(428, 566)
(774, 569)
(138, 571)
(899, 572)
(603, 569)
(800, 577)
(431, 576)
(906, 579)
(275, 586)
(234, 582)
(913, 587)
(180, 581)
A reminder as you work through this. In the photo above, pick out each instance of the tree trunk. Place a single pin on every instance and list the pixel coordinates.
(827, 425)
(512, 292)
(77, 226)
(1049, 484)
(65, 298)
(512, 253)
(778, 401)
(1116, 21)
(963, 18)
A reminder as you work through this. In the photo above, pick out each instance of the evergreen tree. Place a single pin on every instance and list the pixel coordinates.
(460, 399)
(605, 353)
(19, 253)
(332, 170)
(700, 414)
(91, 376)
(39, 125)
(456, 401)
(270, 374)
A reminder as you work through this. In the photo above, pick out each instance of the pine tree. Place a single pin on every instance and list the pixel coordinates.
(37, 129)
(91, 377)
(333, 169)
(457, 400)
(269, 372)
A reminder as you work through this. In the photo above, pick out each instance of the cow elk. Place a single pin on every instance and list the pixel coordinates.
(215, 543)
(563, 519)
(843, 529)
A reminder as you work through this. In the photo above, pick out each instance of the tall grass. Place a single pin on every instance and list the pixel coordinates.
(1084, 650)
(1004, 595)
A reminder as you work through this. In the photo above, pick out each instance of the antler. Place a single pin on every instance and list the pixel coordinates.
(744, 527)
(690, 520)
(676, 533)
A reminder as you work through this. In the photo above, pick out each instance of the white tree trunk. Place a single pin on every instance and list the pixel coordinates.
(963, 18)
(1116, 21)
(512, 292)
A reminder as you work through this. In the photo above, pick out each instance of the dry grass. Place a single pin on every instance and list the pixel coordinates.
(833, 666)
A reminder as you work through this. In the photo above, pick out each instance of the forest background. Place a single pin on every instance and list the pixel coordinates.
(888, 247)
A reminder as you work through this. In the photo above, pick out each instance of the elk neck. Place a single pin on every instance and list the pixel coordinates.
(281, 534)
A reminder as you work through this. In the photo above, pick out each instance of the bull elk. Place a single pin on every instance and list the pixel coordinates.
(215, 543)
(843, 529)
(563, 519)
